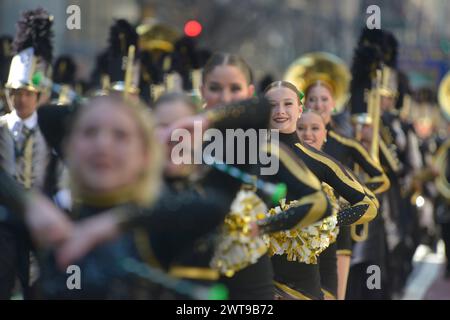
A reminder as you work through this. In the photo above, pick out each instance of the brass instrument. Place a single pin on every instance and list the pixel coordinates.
(440, 159)
(375, 113)
(129, 70)
(372, 117)
(129, 84)
(156, 36)
(321, 66)
(440, 162)
(195, 94)
(159, 39)
(365, 232)
(444, 95)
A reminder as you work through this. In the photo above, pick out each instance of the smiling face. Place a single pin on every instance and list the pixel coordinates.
(311, 130)
(225, 84)
(106, 150)
(319, 99)
(285, 109)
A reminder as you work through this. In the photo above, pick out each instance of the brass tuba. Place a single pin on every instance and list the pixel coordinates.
(159, 40)
(156, 36)
(444, 95)
(440, 159)
(321, 66)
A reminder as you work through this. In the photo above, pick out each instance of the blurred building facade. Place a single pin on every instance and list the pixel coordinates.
(270, 34)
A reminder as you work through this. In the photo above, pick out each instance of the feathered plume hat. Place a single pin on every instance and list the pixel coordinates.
(64, 73)
(33, 48)
(387, 44)
(367, 59)
(123, 66)
(6, 55)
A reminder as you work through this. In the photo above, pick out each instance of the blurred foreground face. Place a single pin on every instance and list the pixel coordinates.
(366, 136)
(424, 128)
(106, 148)
(311, 130)
(167, 113)
(320, 100)
(285, 109)
(387, 103)
(25, 102)
(225, 84)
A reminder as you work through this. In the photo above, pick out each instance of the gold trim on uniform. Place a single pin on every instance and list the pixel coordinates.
(28, 163)
(393, 162)
(108, 199)
(369, 199)
(344, 252)
(291, 292)
(328, 294)
(382, 179)
(297, 168)
(142, 241)
(194, 273)
(347, 179)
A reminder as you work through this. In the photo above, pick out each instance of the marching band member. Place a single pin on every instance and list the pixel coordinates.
(285, 99)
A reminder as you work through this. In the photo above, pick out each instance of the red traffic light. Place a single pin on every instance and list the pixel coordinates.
(192, 28)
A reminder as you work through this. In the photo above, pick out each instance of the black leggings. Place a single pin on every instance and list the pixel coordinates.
(8, 261)
(252, 283)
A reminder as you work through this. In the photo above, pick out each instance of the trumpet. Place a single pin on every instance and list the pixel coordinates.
(373, 117)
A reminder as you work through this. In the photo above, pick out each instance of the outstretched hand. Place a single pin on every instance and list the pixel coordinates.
(86, 235)
(48, 225)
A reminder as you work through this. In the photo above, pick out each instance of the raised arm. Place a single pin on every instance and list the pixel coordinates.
(364, 205)
(378, 181)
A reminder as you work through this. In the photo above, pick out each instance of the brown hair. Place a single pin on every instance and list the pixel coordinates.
(320, 83)
(285, 84)
(309, 110)
(227, 59)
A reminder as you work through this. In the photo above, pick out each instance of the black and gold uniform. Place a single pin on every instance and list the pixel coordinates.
(171, 223)
(24, 152)
(368, 60)
(442, 160)
(350, 152)
(291, 280)
(153, 235)
(363, 203)
(168, 249)
(243, 265)
(300, 279)
(163, 232)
